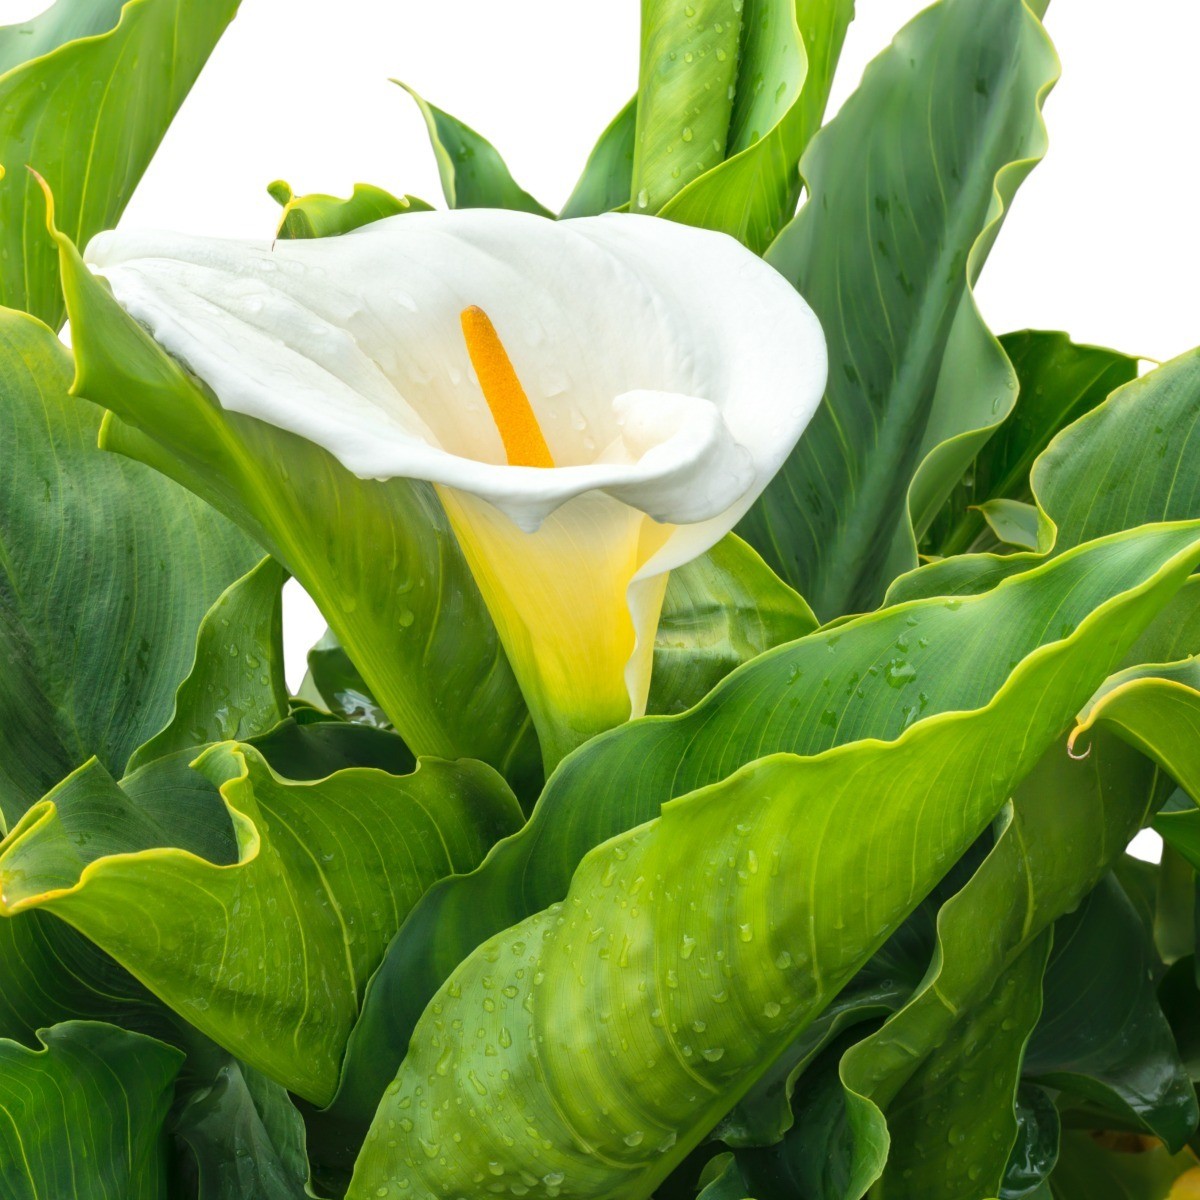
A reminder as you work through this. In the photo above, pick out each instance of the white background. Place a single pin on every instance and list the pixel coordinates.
(1102, 240)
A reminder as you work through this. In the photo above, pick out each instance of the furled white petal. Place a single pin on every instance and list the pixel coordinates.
(671, 371)
(354, 342)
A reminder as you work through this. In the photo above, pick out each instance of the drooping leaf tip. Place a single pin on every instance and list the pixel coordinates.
(281, 192)
(51, 228)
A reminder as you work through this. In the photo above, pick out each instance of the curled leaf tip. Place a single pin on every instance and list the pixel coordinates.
(280, 191)
(1075, 733)
(41, 182)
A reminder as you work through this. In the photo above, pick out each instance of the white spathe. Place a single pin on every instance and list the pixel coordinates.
(671, 371)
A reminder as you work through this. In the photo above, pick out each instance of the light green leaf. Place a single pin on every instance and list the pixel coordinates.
(52, 973)
(82, 1117)
(869, 679)
(822, 25)
(240, 915)
(681, 1015)
(1086, 476)
(608, 175)
(686, 95)
(1013, 522)
(901, 214)
(971, 1014)
(318, 215)
(753, 193)
(1058, 382)
(720, 611)
(1157, 709)
(236, 687)
(87, 90)
(378, 558)
(764, 1118)
(472, 172)
(105, 573)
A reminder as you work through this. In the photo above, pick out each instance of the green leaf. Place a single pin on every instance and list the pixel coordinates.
(681, 1016)
(1013, 522)
(1087, 484)
(950, 1118)
(378, 558)
(52, 973)
(236, 687)
(341, 686)
(811, 1160)
(87, 91)
(901, 214)
(1088, 494)
(608, 174)
(764, 1118)
(944, 1069)
(244, 1138)
(314, 749)
(318, 215)
(872, 678)
(724, 1181)
(753, 193)
(472, 172)
(105, 573)
(822, 25)
(1090, 1170)
(686, 95)
(780, 101)
(1059, 382)
(1103, 1035)
(238, 914)
(82, 1117)
(720, 611)
(1039, 1131)
(968, 1023)
(1156, 709)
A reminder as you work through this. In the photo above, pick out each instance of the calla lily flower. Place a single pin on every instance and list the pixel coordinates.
(597, 401)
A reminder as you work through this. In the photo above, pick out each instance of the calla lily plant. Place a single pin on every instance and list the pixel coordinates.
(744, 673)
(598, 401)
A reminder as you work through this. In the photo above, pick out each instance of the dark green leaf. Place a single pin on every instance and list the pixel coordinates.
(244, 1139)
(720, 611)
(1087, 483)
(607, 177)
(83, 1117)
(1059, 382)
(1102, 1035)
(472, 172)
(901, 214)
(105, 573)
(236, 687)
